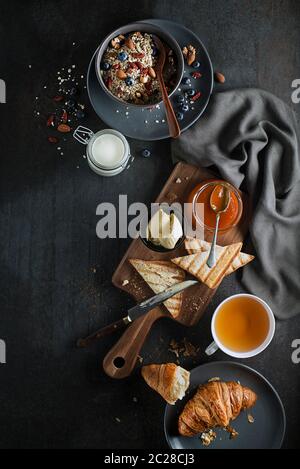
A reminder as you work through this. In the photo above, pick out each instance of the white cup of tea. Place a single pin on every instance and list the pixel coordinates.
(242, 326)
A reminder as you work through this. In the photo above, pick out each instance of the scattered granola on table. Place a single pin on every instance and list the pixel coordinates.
(128, 69)
(250, 418)
(184, 348)
(232, 432)
(208, 437)
(60, 106)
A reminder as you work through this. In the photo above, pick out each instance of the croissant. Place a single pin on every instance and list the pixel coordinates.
(214, 405)
(169, 380)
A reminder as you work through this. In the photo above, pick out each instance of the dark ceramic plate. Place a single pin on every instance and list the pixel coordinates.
(150, 124)
(268, 428)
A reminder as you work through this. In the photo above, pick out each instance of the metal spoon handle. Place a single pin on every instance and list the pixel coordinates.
(212, 253)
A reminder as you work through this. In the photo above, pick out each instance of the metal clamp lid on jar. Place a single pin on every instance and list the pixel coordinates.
(87, 137)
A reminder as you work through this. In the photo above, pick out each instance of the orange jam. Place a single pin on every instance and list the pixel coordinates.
(205, 215)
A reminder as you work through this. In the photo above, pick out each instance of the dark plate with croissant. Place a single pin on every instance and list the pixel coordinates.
(229, 391)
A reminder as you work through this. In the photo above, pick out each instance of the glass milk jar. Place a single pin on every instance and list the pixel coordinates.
(107, 151)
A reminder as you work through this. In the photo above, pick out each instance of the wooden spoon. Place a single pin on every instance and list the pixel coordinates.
(170, 114)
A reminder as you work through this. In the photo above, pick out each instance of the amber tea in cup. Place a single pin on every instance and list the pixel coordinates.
(242, 326)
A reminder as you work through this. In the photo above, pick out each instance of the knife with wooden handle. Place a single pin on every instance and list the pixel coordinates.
(136, 312)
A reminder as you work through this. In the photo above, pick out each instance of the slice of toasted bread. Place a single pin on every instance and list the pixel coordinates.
(239, 261)
(160, 275)
(196, 265)
(194, 245)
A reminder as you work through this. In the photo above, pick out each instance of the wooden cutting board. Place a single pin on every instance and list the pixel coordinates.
(195, 298)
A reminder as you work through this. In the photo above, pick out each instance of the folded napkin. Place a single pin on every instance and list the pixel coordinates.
(250, 137)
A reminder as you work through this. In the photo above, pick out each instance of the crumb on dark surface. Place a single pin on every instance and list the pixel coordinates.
(183, 348)
(208, 437)
(232, 432)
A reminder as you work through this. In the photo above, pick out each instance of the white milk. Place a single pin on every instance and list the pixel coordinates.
(108, 150)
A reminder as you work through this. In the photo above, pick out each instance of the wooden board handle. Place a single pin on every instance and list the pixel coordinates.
(121, 359)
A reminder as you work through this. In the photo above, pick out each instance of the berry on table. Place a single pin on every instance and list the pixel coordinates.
(146, 153)
(80, 114)
(122, 56)
(186, 81)
(71, 103)
(196, 64)
(105, 66)
(179, 115)
(129, 81)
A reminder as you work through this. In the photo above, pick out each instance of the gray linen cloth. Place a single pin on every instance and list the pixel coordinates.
(250, 137)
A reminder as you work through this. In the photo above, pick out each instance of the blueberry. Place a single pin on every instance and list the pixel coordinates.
(179, 98)
(154, 51)
(73, 91)
(80, 114)
(122, 56)
(184, 107)
(179, 116)
(146, 153)
(105, 66)
(191, 92)
(129, 81)
(196, 64)
(71, 103)
(186, 81)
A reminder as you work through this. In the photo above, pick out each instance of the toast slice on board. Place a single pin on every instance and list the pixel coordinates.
(193, 245)
(160, 275)
(195, 264)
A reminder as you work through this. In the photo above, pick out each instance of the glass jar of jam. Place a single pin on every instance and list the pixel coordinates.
(200, 210)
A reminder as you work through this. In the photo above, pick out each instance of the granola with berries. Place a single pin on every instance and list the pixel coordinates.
(128, 69)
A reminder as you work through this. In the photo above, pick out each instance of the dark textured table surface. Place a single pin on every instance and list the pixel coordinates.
(55, 273)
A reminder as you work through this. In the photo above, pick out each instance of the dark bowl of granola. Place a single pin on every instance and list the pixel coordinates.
(125, 65)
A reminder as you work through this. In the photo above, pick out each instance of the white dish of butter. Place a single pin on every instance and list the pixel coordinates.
(164, 230)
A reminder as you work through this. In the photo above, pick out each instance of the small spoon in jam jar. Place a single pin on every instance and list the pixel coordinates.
(219, 201)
